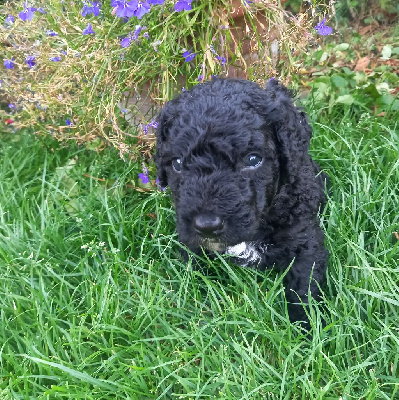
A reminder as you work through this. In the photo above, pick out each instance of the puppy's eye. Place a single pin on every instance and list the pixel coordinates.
(252, 161)
(176, 164)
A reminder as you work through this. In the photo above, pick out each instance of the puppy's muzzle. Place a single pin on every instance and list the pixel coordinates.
(208, 225)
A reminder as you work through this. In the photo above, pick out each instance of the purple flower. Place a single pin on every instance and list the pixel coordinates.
(159, 185)
(144, 176)
(41, 10)
(145, 129)
(200, 78)
(183, 5)
(51, 33)
(189, 56)
(152, 124)
(124, 8)
(137, 31)
(9, 64)
(91, 7)
(88, 30)
(323, 29)
(55, 59)
(153, 2)
(9, 20)
(126, 42)
(27, 13)
(221, 59)
(142, 9)
(12, 106)
(30, 60)
(68, 122)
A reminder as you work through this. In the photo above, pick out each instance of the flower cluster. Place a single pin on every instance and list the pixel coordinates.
(133, 37)
(152, 124)
(27, 13)
(122, 8)
(188, 55)
(88, 30)
(30, 61)
(106, 52)
(221, 59)
(91, 7)
(183, 5)
(9, 21)
(145, 178)
(322, 29)
(134, 8)
(9, 64)
(125, 9)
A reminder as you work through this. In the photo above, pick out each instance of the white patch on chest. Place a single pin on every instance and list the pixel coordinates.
(246, 253)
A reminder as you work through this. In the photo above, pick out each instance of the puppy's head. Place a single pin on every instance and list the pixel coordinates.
(225, 148)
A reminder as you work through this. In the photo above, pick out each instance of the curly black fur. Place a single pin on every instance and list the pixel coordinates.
(264, 214)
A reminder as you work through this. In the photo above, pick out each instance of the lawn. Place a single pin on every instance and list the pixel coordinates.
(96, 302)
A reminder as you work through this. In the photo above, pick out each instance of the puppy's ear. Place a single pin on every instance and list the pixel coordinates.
(162, 135)
(293, 132)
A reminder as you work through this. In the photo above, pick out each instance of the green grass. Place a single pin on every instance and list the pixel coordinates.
(95, 302)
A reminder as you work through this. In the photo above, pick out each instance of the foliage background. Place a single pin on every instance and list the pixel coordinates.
(110, 93)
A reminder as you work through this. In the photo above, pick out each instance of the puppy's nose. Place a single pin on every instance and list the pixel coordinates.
(207, 224)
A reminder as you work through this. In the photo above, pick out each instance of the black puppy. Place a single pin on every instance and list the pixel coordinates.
(236, 158)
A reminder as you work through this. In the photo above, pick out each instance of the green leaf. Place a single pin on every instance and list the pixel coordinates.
(346, 99)
(320, 92)
(342, 47)
(347, 71)
(360, 77)
(82, 376)
(323, 79)
(391, 77)
(324, 57)
(389, 102)
(382, 87)
(372, 91)
(338, 81)
(386, 52)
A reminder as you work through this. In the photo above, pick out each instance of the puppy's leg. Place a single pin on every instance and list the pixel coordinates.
(306, 274)
(303, 243)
